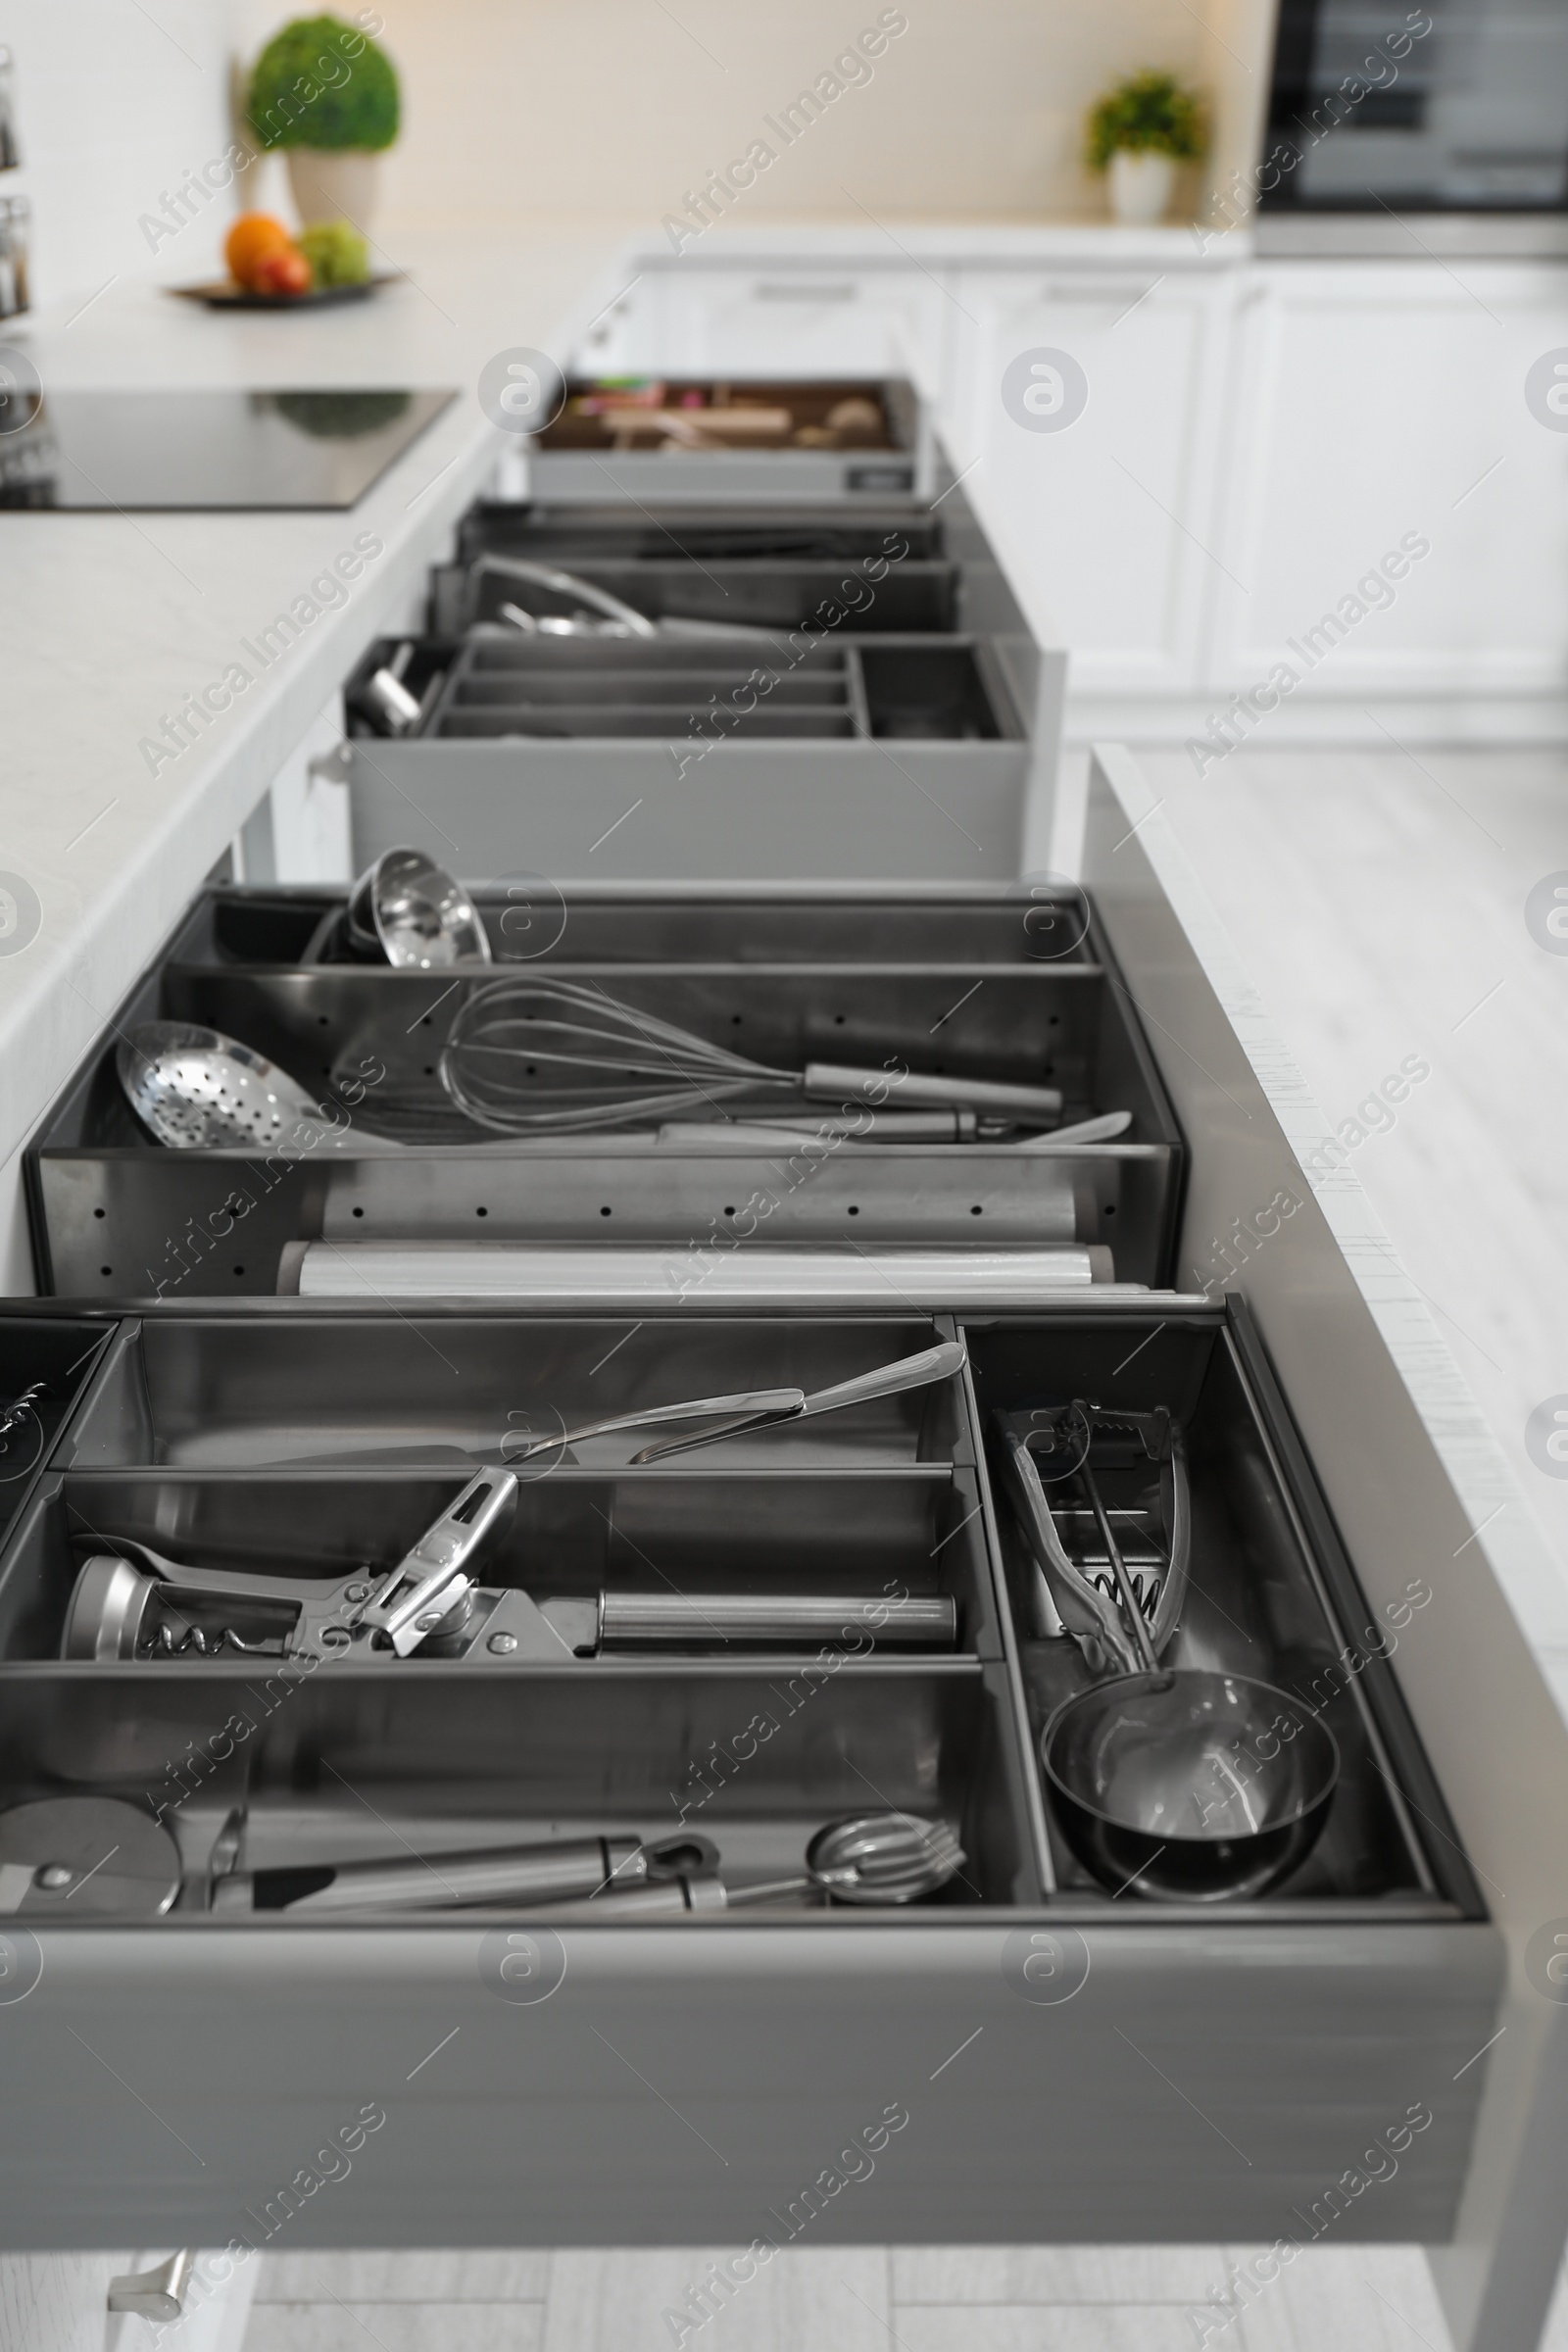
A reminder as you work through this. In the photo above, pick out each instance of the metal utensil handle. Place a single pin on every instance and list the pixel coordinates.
(668, 1898)
(577, 1866)
(566, 583)
(1101, 1130)
(941, 1362)
(773, 1890)
(1031, 1105)
(392, 700)
(886, 1380)
(1087, 1614)
(773, 1404)
(686, 630)
(807, 1128)
(1173, 1590)
(633, 1620)
(1132, 1612)
(429, 1579)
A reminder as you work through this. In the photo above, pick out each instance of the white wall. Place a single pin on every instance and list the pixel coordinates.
(619, 106)
(114, 104)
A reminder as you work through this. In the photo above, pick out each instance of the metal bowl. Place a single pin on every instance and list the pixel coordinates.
(1189, 1787)
(410, 912)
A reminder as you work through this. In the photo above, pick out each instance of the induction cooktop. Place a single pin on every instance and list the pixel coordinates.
(222, 450)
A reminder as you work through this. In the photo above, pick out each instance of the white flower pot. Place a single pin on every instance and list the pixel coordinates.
(1141, 183)
(333, 184)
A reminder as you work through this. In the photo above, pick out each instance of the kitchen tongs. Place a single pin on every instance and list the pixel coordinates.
(1065, 1448)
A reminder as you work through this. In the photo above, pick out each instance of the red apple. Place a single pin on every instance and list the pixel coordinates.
(282, 273)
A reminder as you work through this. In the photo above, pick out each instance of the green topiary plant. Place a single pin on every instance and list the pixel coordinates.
(323, 83)
(1147, 113)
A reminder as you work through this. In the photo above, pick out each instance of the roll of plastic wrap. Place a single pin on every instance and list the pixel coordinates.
(968, 1279)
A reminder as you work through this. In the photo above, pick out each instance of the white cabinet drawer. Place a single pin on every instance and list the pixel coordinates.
(791, 319)
(1108, 516)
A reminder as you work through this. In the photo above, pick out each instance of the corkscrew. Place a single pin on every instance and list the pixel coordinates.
(135, 1605)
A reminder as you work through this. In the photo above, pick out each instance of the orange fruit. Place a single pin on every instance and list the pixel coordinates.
(253, 238)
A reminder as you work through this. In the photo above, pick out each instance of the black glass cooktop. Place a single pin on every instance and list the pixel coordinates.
(220, 451)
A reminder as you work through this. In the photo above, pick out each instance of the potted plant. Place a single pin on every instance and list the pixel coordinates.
(1138, 133)
(328, 96)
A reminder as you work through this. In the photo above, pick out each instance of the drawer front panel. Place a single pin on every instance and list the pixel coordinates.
(695, 2084)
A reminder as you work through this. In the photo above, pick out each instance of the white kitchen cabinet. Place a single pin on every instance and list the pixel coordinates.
(780, 319)
(1379, 402)
(59, 2302)
(1110, 515)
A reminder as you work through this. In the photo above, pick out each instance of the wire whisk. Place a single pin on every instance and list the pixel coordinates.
(539, 1056)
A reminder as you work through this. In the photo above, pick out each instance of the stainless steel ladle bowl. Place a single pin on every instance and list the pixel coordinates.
(199, 1091)
(407, 911)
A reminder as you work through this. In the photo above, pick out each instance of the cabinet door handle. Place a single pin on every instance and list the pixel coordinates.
(782, 290)
(1097, 289)
(158, 2294)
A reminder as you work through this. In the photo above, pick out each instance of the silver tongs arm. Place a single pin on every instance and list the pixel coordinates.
(931, 1364)
(1089, 1615)
(626, 617)
(1179, 1523)
(1086, 1612)
(755, 1404)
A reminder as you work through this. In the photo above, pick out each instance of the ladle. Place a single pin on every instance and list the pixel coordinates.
(199, 1091)
(407, 911)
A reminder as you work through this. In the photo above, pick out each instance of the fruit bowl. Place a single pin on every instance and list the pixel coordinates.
(269, 268)
(223, 294)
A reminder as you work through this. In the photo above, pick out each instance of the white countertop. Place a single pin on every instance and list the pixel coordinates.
(735, 243)
(110, 620)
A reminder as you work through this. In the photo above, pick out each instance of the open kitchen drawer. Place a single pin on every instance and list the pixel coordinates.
(881, 705)
(1022, 2053)
(731, 563)
(849, 439)
(999, 984)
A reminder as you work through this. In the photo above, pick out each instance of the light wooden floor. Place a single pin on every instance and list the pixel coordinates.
(855, 2299)
(1379, 905)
